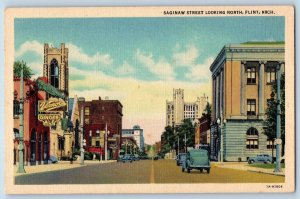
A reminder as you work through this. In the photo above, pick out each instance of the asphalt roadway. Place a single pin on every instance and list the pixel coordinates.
(143, 172)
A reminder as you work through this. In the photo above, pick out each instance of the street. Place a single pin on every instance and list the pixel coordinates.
(144, 171)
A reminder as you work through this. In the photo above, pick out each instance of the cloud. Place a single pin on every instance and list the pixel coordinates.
(185, 57)
(144, 102)
(200, 72)
(125, 69)
(77, 54)
(30, 46)
(161, 68)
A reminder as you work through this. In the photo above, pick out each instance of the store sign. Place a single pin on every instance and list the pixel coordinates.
(51, 105)
(51, 111)
(49, 119)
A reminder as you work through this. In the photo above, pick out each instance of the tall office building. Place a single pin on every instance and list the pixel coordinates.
(178, 110)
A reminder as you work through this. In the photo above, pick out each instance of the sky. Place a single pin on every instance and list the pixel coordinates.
(139, 61)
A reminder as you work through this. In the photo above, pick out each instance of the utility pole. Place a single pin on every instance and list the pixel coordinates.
(185, 142)
(21, 168)
(105, 137)
(81, 138)
(278, 124)
(177, 145)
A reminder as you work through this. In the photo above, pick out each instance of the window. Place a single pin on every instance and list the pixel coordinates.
(270, 144)
(251, 75)
(252, 138)
(271, 75)
(87, 110)
(251, 107)
(87, 121)
(54, 73)
(61, 143)
(16, 108)
(97, 143)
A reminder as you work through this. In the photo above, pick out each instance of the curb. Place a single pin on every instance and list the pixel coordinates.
(275, 174)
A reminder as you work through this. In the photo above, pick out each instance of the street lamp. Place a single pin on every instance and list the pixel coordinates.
(106, 138)
(278, 140)
(81, 139)
(21, 168)
(221, 123)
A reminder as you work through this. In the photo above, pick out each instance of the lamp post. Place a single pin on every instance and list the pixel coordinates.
(21, 168)
(278, 124)
(106, 138)
(221, 122)
(81, 139)
(185, 140)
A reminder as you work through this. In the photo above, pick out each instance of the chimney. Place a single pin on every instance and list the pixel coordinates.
(99, 98)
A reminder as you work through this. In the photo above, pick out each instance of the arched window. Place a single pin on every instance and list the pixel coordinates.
(54, 73)
(252, 138)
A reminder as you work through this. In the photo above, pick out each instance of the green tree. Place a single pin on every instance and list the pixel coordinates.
(207, 109)
(186, 129)
(271, 114)
(27, 72)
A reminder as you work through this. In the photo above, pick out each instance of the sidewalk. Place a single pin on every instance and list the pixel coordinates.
(246, 167)
(60, 165)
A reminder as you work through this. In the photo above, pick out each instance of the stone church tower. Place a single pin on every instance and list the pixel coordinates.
(56, 67)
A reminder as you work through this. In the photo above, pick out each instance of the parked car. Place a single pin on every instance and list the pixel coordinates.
(52, 159)
(120, 158)
(127, 158)
(196, 159)
(265, 158)
(136, 157)
(179, 158)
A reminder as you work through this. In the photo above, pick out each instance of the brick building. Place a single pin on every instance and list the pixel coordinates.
(36, 135)
(97, 115)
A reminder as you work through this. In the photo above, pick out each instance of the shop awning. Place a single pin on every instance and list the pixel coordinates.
(48, 88)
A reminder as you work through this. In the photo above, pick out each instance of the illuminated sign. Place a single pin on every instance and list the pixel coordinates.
(51, 105)
(49, 119)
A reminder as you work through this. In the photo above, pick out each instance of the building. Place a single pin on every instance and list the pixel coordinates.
(178, 109)
(157, 147)
(36, 135)
(56, 67)
(56, 70)
(204, 124)
(99, 116)
(242, 76)
(137, 134)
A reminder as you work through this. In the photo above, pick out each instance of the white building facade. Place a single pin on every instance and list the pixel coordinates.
(178, 109)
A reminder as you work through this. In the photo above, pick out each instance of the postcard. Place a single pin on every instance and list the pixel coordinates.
(188, 99)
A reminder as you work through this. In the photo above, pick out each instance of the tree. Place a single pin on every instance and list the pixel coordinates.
(186, 129)
(271, 114)
(27, 72)
(207, 109)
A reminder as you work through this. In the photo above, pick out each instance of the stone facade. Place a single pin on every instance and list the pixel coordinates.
(242, 76)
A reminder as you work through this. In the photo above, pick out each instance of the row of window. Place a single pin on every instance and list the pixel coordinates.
(252, 140)
(270, 75)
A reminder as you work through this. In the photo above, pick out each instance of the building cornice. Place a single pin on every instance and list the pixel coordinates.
(247, 53)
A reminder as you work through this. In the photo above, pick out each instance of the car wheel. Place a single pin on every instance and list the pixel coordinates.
(208, 170)
(189, 170)
(123, 161)
(251, 161)
(182, 169)
(268, 162)
(201, 170)
(130, 161)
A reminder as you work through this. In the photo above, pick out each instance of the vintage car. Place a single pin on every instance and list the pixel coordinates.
(196, 159)
(180, 158)
(127, 158)
(265, 158)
